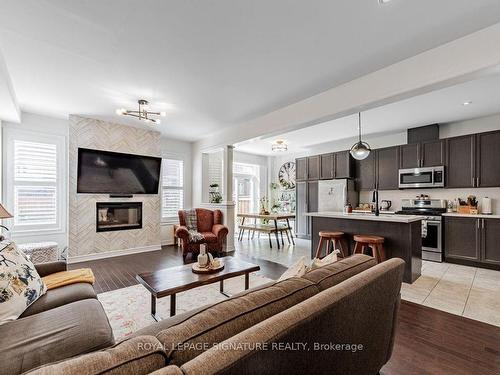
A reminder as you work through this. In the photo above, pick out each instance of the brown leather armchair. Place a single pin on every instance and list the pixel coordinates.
(211, 228)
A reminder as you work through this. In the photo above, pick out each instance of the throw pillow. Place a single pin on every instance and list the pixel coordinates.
(20, 283)
(298, 269)
(329, 259)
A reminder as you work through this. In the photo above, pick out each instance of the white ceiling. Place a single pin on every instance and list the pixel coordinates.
(440, 106)
(212, 64)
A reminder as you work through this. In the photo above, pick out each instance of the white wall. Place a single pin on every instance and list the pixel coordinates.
(43, 125)
(170, 148)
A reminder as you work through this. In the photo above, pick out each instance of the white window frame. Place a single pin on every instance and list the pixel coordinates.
(11, 135)
(173, 219)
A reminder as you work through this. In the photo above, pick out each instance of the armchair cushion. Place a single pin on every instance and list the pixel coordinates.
(209, 237)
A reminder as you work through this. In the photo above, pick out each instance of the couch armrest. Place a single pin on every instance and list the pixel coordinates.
(220, 231)
(182, 232)
(45, 269)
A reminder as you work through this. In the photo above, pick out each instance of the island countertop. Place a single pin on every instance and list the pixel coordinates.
(402, 235)
(370, 217)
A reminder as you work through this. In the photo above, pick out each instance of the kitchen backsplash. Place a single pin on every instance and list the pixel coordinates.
(449, 194)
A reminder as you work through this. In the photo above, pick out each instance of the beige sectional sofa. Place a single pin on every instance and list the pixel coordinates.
(286, 327)
(63, 323)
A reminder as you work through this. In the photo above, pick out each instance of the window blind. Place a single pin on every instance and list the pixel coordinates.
(172, 187)
(35, 179)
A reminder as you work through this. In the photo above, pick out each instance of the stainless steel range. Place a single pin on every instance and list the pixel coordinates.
(431, 209)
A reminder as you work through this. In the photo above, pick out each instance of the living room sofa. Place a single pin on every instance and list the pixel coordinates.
(353, 303)
(64, 322)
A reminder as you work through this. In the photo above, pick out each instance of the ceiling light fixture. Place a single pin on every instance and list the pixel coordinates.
(466, 103)
(360, 150)
(142, 114)
(383, 2)
(279, 146)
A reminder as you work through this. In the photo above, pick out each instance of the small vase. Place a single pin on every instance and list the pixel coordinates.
(202, 257)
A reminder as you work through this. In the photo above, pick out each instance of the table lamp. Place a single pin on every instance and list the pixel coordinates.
(4, 214)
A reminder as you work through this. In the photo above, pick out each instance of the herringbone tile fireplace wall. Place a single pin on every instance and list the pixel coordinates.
(102, 135)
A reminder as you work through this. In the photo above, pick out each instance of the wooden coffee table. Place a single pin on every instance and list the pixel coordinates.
(170, 281)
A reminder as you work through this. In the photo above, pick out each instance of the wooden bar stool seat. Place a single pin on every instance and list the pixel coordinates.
(331, 238)
(376, 243)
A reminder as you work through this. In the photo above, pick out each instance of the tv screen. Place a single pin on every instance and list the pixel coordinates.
(105, 172)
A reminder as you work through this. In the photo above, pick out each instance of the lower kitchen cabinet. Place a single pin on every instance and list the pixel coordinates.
(474, 241)
(491, 241)
(461, 236)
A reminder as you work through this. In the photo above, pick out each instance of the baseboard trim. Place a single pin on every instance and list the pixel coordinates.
(111, 254)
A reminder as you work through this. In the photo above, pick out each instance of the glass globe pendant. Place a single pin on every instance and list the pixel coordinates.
(360, 150)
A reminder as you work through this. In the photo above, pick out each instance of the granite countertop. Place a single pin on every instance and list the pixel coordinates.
(480, 216)
(369, 217)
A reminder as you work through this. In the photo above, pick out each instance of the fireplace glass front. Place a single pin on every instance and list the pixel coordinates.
(118, 216)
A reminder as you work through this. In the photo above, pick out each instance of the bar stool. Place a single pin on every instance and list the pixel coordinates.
(374, 242)
(330, 237)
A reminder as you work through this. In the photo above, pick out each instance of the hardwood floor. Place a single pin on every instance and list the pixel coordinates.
(431, 341)
(428, 341)
(119, 272)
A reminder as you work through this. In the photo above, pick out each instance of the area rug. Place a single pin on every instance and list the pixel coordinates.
(128, 309)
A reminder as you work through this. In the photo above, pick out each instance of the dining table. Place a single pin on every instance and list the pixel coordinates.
(269, 223)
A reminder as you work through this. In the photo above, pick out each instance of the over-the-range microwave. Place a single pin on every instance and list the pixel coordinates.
(416, 178)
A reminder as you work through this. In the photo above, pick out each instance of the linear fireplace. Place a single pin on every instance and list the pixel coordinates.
(118, 216)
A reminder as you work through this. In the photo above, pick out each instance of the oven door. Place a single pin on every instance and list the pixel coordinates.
(416, 178)
(431, 242)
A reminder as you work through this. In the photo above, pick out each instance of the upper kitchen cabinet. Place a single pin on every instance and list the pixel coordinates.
(423, 154)
(301, 169)
(365, 173)
(344, 165)
(460, 162)
(488, 159)
(313, 164)
(433, 153)
(387, 168)
(326, 166)
(410, 155)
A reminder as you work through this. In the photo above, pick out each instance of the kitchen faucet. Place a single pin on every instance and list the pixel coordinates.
(375, 200)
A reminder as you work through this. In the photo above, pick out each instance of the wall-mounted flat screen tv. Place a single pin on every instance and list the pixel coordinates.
(105, 172)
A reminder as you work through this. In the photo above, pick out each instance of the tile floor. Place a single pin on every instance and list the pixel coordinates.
(460, 290)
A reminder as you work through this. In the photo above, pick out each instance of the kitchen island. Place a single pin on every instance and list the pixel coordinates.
(402, 233)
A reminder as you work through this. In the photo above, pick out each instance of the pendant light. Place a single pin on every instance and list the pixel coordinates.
(360, 150)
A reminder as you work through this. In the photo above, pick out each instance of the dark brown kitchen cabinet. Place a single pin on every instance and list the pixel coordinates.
(343, 165)
(301, 169)
(460, 162)
(410, 156)
(387, 168)
(301, 221)
(313, 163)
(432, 153)
(462, 238)
(490, 250)
(488, 159)
(306, 201)
(326, 166)
(365, 173)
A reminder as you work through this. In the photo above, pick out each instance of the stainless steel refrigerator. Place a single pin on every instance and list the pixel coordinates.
(333, 195)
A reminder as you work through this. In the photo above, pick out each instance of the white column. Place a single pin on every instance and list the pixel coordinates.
(227, 206)
(227, 172)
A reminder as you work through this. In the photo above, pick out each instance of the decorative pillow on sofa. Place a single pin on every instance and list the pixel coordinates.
(329, 259)
(298, 269)
(20, 283)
